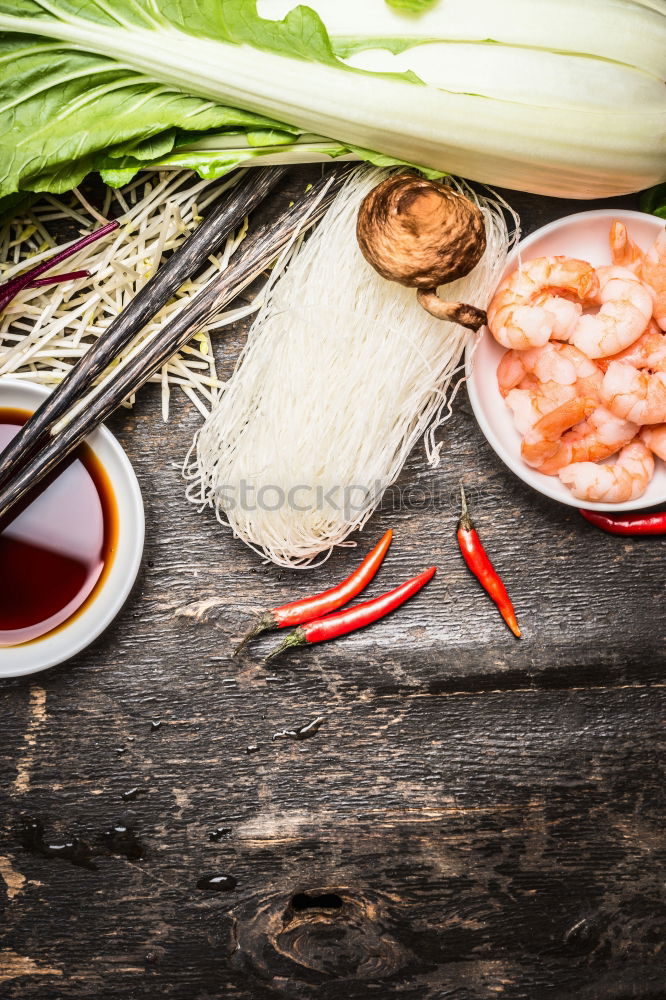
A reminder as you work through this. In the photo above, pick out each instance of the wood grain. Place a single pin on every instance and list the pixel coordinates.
(476, 817)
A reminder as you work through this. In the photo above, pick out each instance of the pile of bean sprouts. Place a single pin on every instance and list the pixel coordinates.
(343, 372)
(44, 331)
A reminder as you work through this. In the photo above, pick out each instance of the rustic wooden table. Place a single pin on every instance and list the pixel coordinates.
(477, 817)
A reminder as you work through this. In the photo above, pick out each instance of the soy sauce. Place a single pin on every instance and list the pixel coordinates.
(56, 550)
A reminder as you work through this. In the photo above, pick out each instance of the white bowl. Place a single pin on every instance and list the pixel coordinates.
(584, 235)
(73, 636)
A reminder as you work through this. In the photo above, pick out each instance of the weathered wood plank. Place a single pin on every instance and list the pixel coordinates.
(500, 843)
(476, 817)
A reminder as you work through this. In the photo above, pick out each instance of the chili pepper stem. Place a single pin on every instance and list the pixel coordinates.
(295, 638)
(310, 608)
(465, 519)
(266, 623)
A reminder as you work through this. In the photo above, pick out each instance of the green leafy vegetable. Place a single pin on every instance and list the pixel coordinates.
(60, 108)
(411, 6)
(654, 201)
(569, 102)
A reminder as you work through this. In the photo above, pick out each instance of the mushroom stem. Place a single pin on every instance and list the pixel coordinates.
(454, 312)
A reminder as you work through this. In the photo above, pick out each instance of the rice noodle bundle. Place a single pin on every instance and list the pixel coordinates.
(342, 373)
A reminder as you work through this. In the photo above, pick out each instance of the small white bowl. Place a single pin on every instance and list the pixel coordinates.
(585, 236)
(73, 636)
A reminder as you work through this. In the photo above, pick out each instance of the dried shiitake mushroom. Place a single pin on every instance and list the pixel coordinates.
(423, 234)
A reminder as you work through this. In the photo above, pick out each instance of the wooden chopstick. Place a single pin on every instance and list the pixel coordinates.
(257, 253)
(190, 257)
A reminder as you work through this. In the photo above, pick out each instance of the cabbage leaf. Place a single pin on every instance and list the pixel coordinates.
(114, 85)
(65, 112)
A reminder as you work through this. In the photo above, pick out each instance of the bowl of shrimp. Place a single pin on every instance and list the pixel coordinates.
(568, 380)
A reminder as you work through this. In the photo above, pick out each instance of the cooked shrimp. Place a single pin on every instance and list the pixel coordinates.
(650, 267)
(588, 374)
(542, 441)
(529, 405)
(625, 479)
(639, 396)
(649, 351)
(626, 308)
(562, 363)
(522, 315)
(653, 274)
(654, 438)
(565, 314)
(624, 252)
(546, 363)
(598, 437)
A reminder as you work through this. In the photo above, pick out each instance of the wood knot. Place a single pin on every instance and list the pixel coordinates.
(319, 934)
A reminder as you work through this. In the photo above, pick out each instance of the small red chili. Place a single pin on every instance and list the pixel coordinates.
(309, 608)
(635, 524)
(333, 626)
(478, 562)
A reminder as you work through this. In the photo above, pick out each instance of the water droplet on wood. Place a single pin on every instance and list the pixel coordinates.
(120, 839)
(132, 793)
(217, 883)
(219, 832)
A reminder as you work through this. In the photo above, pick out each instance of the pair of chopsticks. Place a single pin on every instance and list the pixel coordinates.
(40, 446)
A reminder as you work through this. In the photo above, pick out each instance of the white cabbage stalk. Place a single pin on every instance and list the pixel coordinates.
(235, 147)
(588, 120)
(624, 31)
(509, 73)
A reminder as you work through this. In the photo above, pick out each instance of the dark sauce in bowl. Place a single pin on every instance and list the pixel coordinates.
(57, 549)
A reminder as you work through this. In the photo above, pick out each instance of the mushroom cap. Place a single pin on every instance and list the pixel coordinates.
(420, 233)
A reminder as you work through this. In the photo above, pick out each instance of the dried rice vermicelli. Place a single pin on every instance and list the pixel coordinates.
(341, 375)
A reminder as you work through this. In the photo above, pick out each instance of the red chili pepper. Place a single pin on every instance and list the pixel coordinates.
(309, 608)
(635, 524)
(478, 562)
(333, 626)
